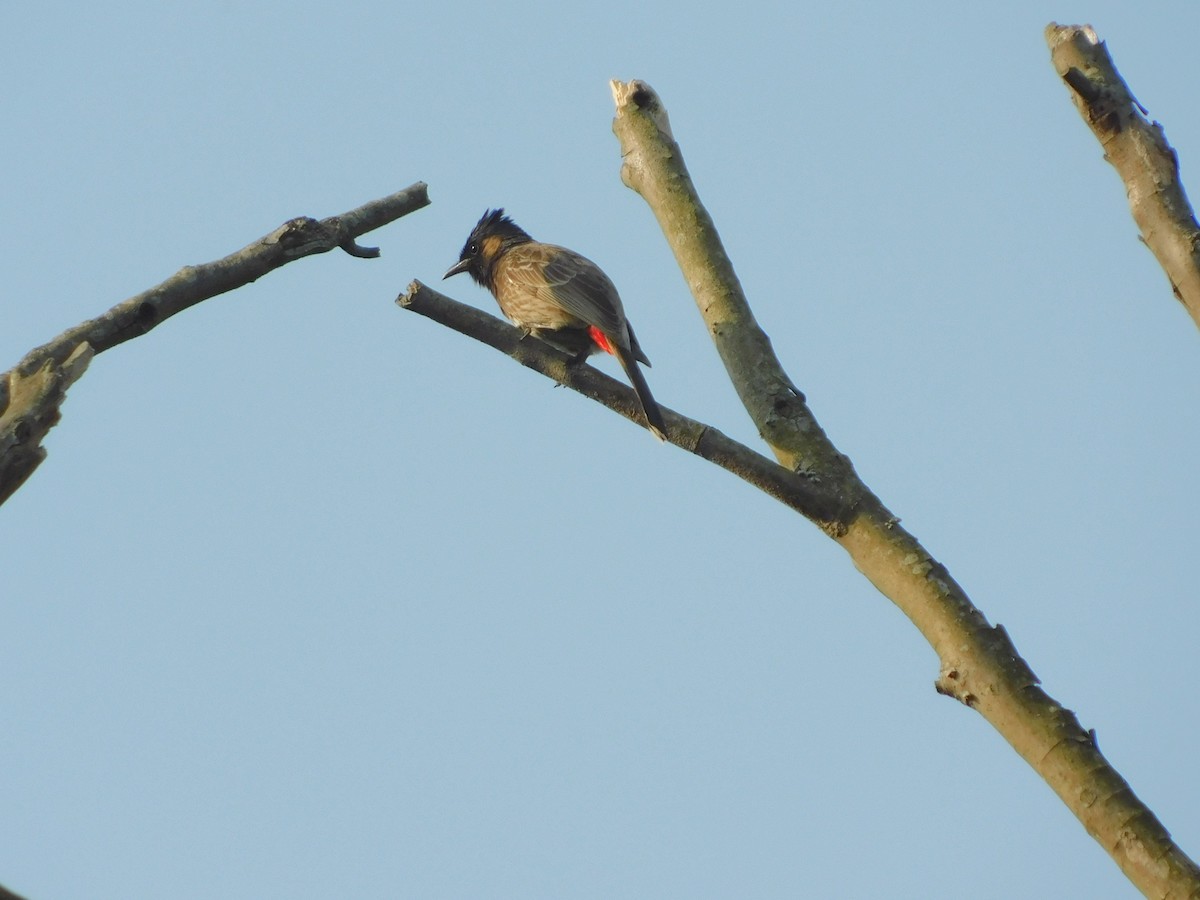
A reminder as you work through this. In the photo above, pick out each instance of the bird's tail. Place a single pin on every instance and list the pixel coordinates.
(654, 416)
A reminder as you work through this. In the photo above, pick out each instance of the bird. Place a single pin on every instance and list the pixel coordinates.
(556, 295)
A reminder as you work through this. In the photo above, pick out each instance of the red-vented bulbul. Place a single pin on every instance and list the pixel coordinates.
(557, 295)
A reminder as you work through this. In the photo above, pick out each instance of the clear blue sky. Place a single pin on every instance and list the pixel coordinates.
(314, 598)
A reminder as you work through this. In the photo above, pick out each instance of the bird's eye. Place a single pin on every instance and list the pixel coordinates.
(472, 248)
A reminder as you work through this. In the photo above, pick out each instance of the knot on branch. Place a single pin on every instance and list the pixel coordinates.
(1103, 109)
(952, 683)
(304, 236)
(32, 409)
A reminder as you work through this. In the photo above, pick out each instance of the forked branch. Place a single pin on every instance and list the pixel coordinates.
(979, 664)
(799, 492)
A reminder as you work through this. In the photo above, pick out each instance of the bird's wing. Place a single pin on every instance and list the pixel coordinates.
(583, 290)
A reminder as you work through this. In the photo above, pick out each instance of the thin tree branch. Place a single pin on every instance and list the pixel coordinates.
(979, 665)
(799, 492)
(32, 391)
(1138, 150)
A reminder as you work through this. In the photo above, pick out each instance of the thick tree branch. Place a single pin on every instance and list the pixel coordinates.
(795, 491)
(1138, 150)
(32, 392)
(979, 664)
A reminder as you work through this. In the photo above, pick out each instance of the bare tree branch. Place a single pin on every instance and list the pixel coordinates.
(979, 664)
(1138, 150)
(32, 392)
(799, 492)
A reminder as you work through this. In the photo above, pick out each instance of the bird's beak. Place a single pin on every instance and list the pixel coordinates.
(461, 266)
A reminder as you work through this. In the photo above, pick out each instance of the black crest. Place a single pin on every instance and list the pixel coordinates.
(495, 222)
(491, 236)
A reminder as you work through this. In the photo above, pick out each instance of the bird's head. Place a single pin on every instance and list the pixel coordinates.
(491, 236)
